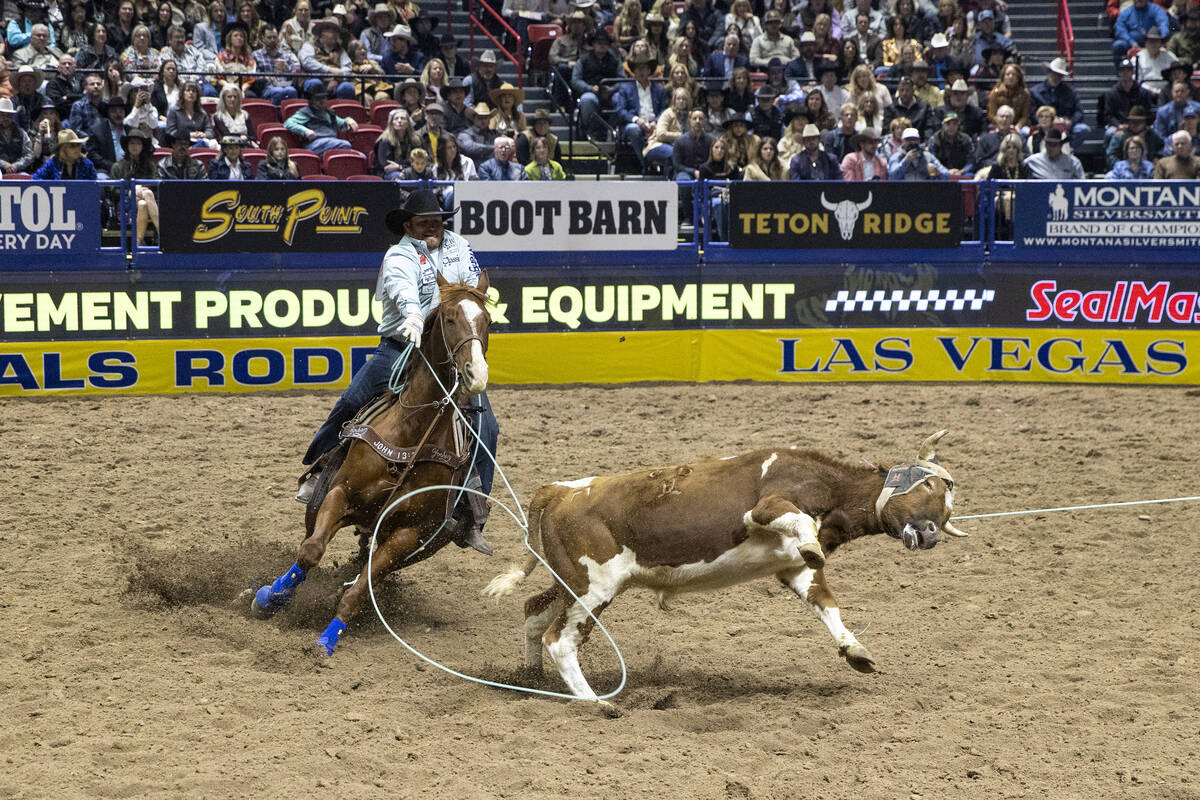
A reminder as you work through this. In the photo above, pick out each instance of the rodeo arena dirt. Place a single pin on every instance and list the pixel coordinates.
(1049, 655)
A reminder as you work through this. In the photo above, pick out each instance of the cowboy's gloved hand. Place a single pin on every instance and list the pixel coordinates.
(410, 329)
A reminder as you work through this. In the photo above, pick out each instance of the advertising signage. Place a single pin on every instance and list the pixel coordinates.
(46, 218)
(1094, 214)
(276, 216)
(872, 215)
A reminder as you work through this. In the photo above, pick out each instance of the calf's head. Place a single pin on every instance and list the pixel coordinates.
(917, 500)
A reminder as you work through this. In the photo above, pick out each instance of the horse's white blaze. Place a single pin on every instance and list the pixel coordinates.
(576, 484)
(831, 617)
(767, 464)
(472, 310)
(479, 369)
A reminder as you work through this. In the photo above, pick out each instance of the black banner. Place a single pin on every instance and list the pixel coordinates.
(276, 216)
(872, 215)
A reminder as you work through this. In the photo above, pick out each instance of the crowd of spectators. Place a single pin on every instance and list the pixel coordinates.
(736, 90)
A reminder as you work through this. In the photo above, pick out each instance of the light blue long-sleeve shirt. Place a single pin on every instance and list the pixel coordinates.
(17, 33)
(1133, 22)
(408, 278)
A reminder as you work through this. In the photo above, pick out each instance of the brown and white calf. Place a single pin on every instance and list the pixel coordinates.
(713, 524)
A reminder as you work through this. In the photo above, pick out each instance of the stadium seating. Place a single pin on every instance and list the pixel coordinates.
(261, 112)
(349, 108)
(289, 107)
(209, 104)
(380, 110)
(344, 163)
(363, 140)
(363, 178)
(537, 33)
(317, 177)
(204, 154)
(17, 176)
(267, 131)
(254, 156)
(307, 162)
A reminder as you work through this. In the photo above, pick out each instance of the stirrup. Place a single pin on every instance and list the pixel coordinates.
(307, 484)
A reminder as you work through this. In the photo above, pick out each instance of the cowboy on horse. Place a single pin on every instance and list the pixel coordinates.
(408, 289)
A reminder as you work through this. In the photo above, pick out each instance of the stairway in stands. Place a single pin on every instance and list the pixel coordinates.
(581, 158)
(1035, 32)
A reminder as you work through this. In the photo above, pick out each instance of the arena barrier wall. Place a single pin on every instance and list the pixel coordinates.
(229, 329)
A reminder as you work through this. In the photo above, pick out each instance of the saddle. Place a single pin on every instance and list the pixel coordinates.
(401, 458)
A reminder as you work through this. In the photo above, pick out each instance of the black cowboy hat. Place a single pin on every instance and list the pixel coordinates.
(427, 17)
(236, 25)
(137, 133)
(449, 38)
(421, 203)
(115, 100)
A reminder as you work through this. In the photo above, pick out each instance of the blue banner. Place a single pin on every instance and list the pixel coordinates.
(49, 217)
(1110, 214)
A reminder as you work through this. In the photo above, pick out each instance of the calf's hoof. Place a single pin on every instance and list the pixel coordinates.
(812, 555)
(858, 657)
(607, 709)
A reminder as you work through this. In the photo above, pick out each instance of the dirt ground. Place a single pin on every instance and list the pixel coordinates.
(1047, 656)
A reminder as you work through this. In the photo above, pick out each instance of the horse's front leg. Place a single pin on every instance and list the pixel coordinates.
(274, 596)
(387, 556)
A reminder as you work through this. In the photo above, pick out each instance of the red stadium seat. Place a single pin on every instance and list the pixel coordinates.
(268, 131)
(209, 104)
(261, 112)
(318, 177)
(344, 163)
(349, 108)
(289, 107)
(363, 140)
(24, 176)
(161, 152)
(539, 55)
(308, 162)
(205, 154)
(536, 33)
(380, 110)
(254, 156)
(363, 178)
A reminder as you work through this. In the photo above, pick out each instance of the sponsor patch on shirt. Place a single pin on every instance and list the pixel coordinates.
(474, 263)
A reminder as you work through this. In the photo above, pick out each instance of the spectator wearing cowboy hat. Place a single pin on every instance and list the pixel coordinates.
(539, 128)
(104, 146)
(932, 96)
(231, 166)
(1153, 61)
(410, 94)
(454, 97)
(483, 80)
(316, 124)
(508, 119)
(912, 162)
(179, 165)
(865, 164)
(478, 141)
(740, 144)
(381, 20)
(422, 25)
(812, 163)
(19, 31)
(457, 65)
(827, 74)
(766, 118)
(403, 57)
(803, 68)
(1052, 163)
(138, 164)
(591, 80)
(26, 98)
(68, 162)
(16, 146)
(431, 132)
(1117, 102)
(638, 104)
(325, 55)
(1132, 25)
(971, 119)
(1137, 123)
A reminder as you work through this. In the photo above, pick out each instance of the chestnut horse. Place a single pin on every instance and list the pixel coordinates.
(411, 444)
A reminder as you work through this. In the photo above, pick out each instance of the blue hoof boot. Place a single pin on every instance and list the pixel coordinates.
(271, 598)
(329, 639)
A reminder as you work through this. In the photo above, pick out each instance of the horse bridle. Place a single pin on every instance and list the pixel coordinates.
(452, 353)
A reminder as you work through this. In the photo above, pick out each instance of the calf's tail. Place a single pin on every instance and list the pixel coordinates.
(505, 584)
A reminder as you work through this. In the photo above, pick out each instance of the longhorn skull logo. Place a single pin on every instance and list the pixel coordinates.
(846, 213)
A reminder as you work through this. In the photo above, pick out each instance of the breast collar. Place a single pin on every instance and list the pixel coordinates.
(903, 478)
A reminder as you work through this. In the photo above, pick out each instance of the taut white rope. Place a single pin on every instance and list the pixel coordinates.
(1079, 508)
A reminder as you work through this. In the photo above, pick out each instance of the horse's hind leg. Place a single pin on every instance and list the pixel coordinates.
(274, 596)
(392, 551)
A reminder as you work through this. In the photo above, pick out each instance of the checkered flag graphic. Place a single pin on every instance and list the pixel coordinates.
(910, 300)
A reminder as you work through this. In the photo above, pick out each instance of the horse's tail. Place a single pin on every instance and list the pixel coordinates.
(503, 585)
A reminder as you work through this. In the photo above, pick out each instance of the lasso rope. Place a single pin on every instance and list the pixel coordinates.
(523, 523)
(1078, 508)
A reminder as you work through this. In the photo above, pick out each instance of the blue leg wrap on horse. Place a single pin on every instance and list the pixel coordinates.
(278, 593)
(331, 636)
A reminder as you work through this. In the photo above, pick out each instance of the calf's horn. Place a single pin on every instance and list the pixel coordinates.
(953, 531)
(926, 452)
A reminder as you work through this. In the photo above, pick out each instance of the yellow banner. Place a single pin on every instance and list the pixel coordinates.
(874, 354)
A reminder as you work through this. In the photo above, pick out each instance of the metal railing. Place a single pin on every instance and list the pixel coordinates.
(1066, 34)
(475, 23)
